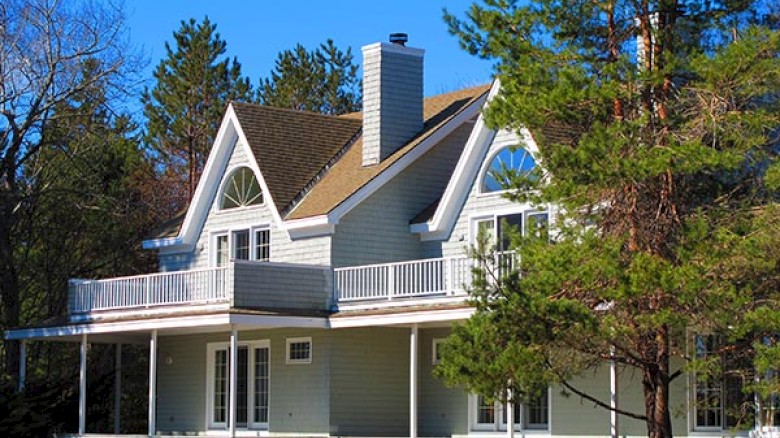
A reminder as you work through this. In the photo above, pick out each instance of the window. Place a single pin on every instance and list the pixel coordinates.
(262, 245)
(241, 245)
(241, 190)
(719, 400)
(512, 158)
(436, 350)
(496, 229)
(245, 244)
(222, 252)
(298, 350)
(492, 416)
(252, 389)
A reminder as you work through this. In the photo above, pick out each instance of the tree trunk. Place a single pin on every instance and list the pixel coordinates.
(656, 388)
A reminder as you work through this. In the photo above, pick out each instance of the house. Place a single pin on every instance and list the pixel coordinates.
(320, 264)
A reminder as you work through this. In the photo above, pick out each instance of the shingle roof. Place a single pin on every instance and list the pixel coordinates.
(291, 147)
(348, 175)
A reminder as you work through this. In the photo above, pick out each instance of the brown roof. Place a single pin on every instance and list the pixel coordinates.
(348, 175)
(291, 147)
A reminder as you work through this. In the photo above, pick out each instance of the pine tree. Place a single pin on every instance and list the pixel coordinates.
(185, 106)
(324, 80)
(667, 195)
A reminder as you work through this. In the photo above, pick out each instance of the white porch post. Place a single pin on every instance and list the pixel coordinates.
(117, 388)
(510, 414)
(153, 383)
(413, 339)
(233, 380)
(613, 397)
(83, 385)
(22, 365)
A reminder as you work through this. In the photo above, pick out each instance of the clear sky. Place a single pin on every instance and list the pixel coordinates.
(255, 31)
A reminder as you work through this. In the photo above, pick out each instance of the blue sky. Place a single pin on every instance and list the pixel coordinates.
(256, 31)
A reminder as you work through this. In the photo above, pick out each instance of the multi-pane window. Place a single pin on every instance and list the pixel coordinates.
(252, 385)
(497, 230)
(244, 244)
(492, 416)
(719, 399)
(262, 245)
(241, 245)
(241, 190)
(509, 160)
(298, 350)
(222, 250)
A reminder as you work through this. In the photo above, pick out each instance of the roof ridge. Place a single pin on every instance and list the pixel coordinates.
(260, 106)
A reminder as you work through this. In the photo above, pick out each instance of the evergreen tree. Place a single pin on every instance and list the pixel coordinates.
(324, 80)
(667, 196)
(185, 106)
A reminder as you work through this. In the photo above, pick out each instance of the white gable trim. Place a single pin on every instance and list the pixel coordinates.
(458, 188)
(325, 224)
(230, 133)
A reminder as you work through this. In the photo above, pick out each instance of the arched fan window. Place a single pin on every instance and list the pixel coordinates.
(241, 190)
(512, 158)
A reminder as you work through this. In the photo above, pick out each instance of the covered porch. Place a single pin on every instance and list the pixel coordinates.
(149, 332)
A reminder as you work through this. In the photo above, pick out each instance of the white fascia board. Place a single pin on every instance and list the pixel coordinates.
(465, 171)
(183, 322)
(420, 317)
(427, 144)
(309, 227)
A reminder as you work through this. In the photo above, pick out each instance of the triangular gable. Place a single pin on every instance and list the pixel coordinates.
(470, 167)
(230, 134)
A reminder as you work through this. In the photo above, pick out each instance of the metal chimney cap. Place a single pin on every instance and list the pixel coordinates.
(399, 38)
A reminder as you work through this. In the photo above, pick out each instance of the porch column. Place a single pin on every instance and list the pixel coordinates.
(233, 380)
(83, 385)
(510, 414)
(413, 339)
(22, 365)
(613, 396)
(153, 383)
(117, 388)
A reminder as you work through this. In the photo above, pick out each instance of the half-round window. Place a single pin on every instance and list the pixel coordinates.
(509, 160)
(241, 190)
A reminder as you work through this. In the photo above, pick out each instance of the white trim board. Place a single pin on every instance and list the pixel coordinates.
(420, 317)
(194, 324)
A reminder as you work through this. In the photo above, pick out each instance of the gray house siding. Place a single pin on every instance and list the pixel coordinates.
(377, 230)
(442, 411)
(299, 394)
(370, 382)
(282, 286)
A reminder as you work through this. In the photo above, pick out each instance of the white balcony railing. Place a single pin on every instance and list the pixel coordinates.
(416, 278)
(168, 288)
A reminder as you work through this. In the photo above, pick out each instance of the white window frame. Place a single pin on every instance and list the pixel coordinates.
(230, 232)
(211, 348)
(435, 344)
(290, 341)
(499, 425)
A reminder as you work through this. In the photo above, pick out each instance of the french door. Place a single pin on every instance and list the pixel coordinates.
(252, 385)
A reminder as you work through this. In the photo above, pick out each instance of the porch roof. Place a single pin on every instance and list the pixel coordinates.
(110, 329)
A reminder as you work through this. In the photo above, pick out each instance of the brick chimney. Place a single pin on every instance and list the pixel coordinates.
(392, 97)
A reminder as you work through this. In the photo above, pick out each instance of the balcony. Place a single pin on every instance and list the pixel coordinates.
(278, 286)
(244, 284)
